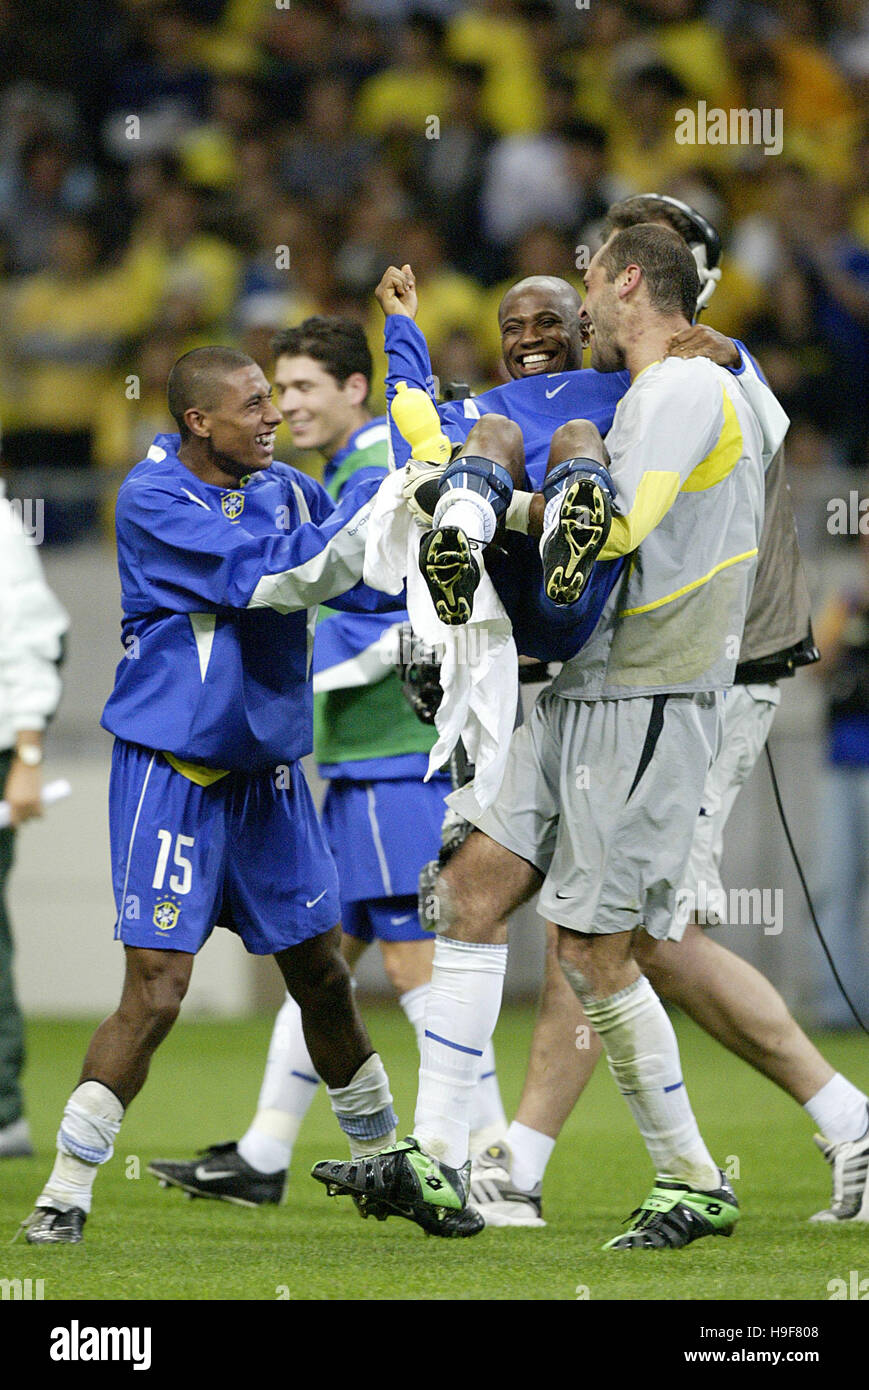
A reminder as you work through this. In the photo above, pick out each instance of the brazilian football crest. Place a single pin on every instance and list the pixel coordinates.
(232, 505)
(166, 915)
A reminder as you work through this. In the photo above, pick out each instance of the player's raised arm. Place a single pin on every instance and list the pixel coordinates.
(396, 293)
(774, 422)
(699, 340)
(408, 362)
(209, 521)
(185, 557)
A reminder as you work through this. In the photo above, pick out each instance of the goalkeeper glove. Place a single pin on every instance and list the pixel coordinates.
(420, 488)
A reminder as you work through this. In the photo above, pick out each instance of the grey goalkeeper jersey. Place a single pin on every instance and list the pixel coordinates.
(687, 457)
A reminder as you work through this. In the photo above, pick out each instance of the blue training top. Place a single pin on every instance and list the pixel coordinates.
(216, 588)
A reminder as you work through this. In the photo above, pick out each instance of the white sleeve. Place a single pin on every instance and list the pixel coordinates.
(772, 419)
(32, 623)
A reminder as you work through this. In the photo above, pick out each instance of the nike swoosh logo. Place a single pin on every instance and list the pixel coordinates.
(562, 896)
(550, 394)
(314, 901)
(399, 921)
(204, 1174)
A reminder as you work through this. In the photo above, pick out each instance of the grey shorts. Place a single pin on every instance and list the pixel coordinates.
(602, 797)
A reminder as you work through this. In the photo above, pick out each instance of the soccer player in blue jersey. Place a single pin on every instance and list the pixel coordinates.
(382, 822)
(224, 555)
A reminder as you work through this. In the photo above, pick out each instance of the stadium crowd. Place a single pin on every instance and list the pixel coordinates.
(173, 174)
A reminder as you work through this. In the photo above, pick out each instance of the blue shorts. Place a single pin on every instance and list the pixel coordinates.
(385, 919)
(246, 853)
(381, 833)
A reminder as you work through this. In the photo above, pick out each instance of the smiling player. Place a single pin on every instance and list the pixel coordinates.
(221, 553)
(540, 329)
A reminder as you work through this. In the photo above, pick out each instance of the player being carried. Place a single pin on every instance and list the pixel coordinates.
(639, 709)
(724, 994)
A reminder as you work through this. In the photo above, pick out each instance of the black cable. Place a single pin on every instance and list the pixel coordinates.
(799, 868)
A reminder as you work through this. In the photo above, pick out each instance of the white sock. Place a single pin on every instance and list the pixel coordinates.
(463, 1005)
(289, 1085)
(531, 1152)
(643, 1057)
(487, 1118)
(267, 1144)
(413, 1003)
(363, 1108)
(467, 510)
(85, 1140)
(840, 1111)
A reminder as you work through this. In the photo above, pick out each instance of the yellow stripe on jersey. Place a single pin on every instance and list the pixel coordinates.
(656, 492)
(695, 584)
(195, 772)
(723, 458)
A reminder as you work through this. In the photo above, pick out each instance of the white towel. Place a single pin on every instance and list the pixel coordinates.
(480, 667)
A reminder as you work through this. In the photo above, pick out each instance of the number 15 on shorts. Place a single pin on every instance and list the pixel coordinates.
(177, 884)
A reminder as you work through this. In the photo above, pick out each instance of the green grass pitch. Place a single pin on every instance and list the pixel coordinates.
(143, 1242)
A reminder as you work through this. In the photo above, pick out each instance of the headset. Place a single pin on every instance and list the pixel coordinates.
(705, 248)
